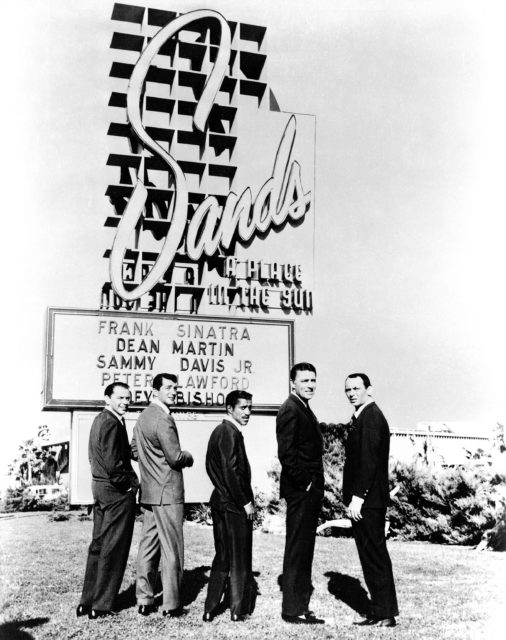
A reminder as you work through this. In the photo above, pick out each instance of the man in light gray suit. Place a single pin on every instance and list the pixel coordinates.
(155, 445)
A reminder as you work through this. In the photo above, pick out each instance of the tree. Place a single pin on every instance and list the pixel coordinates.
(31, 463)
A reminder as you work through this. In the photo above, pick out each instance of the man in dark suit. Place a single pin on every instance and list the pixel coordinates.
(155, 445)
(300, 450)
(114, 485)
(232, 511)
(366, 492)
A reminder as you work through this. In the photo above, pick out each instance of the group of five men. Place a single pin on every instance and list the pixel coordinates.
(155, 446)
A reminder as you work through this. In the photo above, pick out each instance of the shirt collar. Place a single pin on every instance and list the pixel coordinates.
(159, 403)
(120, 418)
(362, 407)
(230, 419)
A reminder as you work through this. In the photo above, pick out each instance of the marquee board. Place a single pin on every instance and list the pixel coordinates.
(87, 350)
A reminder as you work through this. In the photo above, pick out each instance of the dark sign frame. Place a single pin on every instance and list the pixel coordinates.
(50, 403)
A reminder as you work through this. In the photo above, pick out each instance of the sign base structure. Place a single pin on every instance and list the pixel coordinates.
(194, 432)
(88, 349)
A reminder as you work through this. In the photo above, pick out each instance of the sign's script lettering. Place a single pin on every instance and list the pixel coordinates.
(212, 226)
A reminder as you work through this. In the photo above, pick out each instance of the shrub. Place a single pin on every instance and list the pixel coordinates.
(58, 516)
(334, 440)
(445, 505)
(201, 514)
(21, 498)
(433, 503)
(60, 503)
(16, 499)
(497, 536)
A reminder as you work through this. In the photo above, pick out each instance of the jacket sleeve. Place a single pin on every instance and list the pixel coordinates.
(288, 453)
(169, 443)
(233, 474)
(120, 474)
(369, 452)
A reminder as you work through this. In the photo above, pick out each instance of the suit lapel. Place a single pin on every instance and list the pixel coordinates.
(158, 408)
(234, 427)
(166, 415)
(358, 421)
(120, 422)
(243, 448)
(314, 418)
(307, 410)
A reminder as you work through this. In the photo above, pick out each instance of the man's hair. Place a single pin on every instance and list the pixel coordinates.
(363, 377)
(234, 396)
(301, 366)
(158, 380)
(109, 390)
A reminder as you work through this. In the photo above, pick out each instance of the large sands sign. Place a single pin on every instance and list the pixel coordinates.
(211, 184)
(87, 350)
(208, 254)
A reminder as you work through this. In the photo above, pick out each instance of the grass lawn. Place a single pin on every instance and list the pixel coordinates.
(444, 592)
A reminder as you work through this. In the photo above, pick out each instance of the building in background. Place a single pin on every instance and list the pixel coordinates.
(447, 443)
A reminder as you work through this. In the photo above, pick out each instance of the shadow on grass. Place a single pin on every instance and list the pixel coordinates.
(225, 600)
(255, 591)
(194, 580)
(348, 590)
(15, 630)
(126, 598)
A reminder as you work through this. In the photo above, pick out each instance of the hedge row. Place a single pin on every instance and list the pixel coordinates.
(462, 505)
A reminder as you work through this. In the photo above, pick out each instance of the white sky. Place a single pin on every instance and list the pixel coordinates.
(409, 102)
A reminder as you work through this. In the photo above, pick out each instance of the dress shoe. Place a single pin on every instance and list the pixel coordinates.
(208, 616)
(94, 614)
(83, 610)
(385, 622)
(175, 613)
(304, 618)
(146, 609)
(239, 617)
(313, 619)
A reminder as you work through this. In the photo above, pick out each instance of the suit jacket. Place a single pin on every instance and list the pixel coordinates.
(109, 456)
(155, 445)
(365, 471)
(300, 448)
(228, 468)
